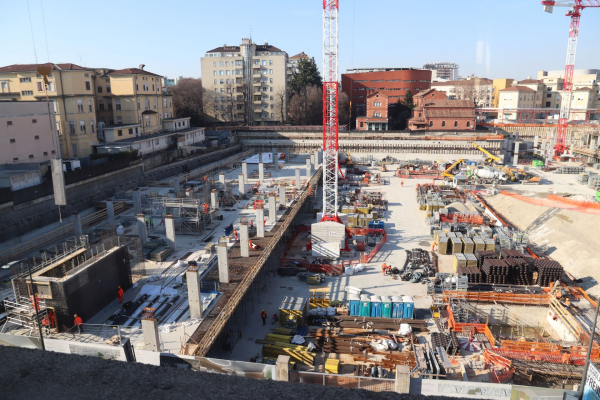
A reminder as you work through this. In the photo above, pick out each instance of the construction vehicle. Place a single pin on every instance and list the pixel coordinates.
(486, 176)
(448, 172)
(533, 180)
(490, 158)
(349, 160)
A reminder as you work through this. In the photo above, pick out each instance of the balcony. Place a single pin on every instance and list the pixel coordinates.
(255, 83)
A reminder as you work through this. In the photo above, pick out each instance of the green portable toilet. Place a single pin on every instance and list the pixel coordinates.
(365, 305)
(386, 307)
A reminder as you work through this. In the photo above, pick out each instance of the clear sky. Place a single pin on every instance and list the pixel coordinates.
(495, 39)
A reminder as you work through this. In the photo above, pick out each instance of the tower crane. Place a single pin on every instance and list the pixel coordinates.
(330, 110)
(565, 108)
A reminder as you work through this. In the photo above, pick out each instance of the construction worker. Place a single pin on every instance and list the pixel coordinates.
(46, 323)
(51, 318)
(263, 315)
(35, 301)
(251, 224)
(567, 302)
(250, 244)
(147, 221)
(151, 223)
(235, 234)
(433, 246)
(162, 220)
(79, 323)
(120, 294)
(204, 208)
(402, 183)
(383, 268)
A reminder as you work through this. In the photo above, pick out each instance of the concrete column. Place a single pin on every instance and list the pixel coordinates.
(214, 202)
(245, 171)
(141, 225)
(244, 237)
(222, 179)
(308, 169)
(402, 383)
(592, 144)
(223, 262)
(77, 224)
(535, 141)
(516, 157)
(320, 156)
(276, 159)
(282, 369)
(282, 198)
(297, 178)
(261, 172)
(110, 213)
(286, 154)
(242, 186)
(176, 185)
(170, 232)
(260, 222)
(137, 202)
(272, 208)
(313, 161)
(194, 296)
(150, 332)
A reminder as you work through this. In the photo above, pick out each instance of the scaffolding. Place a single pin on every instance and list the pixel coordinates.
(189, 215)
(21, 315)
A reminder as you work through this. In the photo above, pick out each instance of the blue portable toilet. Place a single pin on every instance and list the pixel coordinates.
(386, 307)
(375, 306)
(397, 307)
(353, 304)
(409, 307)
(365, 306)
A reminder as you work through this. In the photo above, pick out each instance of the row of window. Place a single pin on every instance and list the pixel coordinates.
(240, 63)
(240, 72)
(264, 79)
(31, 156)
(225, 117)
(36, 137)
(444, 123)
(109, 104)
(232, 90)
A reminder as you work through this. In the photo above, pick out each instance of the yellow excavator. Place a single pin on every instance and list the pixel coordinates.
(349, 160)
(448, 172)
(490, 159)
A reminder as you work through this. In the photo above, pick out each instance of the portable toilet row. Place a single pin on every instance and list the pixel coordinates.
(409, 307)
(386, 307)
(375, 306)
(365, 305)
(354, 304)
(397, 307)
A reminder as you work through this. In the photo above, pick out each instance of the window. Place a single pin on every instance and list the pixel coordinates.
(45, 153)
(34, 121)
(119, 120)
(221, 72)
(79, 105)
(27, 93)
(147, 120)
(107, 88)
(101, 105)
(166, 114)
(270, 72)
(215, 73)
(40, 86)
(548, 104)
(220, 63)
(430, 123)
(157, 141)
(92, 126)
(36, 137)
(153, 87)
(214, 63)
(100, 88)
(120, 132)
(24, 80)
(15, 158)
(361, 124)
(90, 106)
(270, 62)
(88, 85)
(82, 129)
(138, 100)
(13, 141)
(75, 150)
(137, 87)
(468, 124)
(109, 104)
(154, 102)
(164, 102)
(31, 156)
(456, 124)
(221, 81)
(443, 124)
(86, 75)
(214, 82)
(131, 131)
(271, 89)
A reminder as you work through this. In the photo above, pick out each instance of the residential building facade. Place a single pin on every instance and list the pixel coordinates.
(497, 86)
(246, 83)
(293, 63)
(434, 112)
(72, 96)
(377, 113)
(475, 89)
(442, 71)
(516, 97)
(393, 82)
(27, 133)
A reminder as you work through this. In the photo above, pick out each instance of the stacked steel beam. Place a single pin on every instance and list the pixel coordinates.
(446, 341)
(481, 255)
(549, 271)
(473, 273)
(496, 271)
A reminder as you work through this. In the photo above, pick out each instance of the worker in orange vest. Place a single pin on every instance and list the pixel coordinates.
(251, 223)
(383, 268)
(35, 301)
(79, 323)
(205, 207)
(250, 244)
(120, 294)
(46, 323)
(263, 315)
(567, 302)
(433, 246)
(402, 183)
(235, 234)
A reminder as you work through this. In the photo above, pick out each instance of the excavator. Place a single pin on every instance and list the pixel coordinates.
(448, 172)
(490, 159)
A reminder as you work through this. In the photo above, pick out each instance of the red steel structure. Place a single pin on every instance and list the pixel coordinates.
(575, 14)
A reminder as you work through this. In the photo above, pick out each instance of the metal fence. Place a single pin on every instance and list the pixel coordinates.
(344, 381)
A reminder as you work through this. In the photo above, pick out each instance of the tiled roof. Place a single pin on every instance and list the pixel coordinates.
(236, 49)
(449, 104)
(128, 71)
(530, 81)
(517, 89)
(480, 81)
(450, 113)
(424, 93)
(300, 55)
(372, 94)
(32, 67)
(584, 88)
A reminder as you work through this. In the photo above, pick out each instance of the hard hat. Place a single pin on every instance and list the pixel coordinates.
(118, 287)
(75, 314)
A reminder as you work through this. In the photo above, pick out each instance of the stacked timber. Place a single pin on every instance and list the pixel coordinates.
(376, 323)
(468, 245)
(549, 271)
(299, 354)
(443, 245)
(496, 271)
(473, 273)
(483, 254)
(479, 244)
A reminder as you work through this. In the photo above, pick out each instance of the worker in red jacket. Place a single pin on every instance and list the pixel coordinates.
(263, 315)
(79, 323)
(120, 294)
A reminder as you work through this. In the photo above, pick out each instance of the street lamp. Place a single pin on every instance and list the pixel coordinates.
(587, 357)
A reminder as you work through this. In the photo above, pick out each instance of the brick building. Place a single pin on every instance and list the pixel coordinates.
(393, 82)
(434, 111)
(376, 117)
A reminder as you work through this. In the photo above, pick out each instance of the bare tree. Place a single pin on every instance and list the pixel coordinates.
(343, 109)
(281, 104)
(306, 106)
(476, 90)
(188, 100)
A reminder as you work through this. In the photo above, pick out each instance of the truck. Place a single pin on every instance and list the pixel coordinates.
(485, 176)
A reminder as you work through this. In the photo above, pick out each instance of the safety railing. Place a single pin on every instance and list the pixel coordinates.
(344, 381)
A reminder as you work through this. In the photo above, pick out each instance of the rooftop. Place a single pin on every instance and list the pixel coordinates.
(33, 67)
(236, 49)
(517, 89)
(156, 135)
(116, 126)
(130, 71)
(359, 70)
(300, 55)
(529, 81)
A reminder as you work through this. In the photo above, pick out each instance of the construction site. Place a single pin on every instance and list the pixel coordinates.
(457, 263)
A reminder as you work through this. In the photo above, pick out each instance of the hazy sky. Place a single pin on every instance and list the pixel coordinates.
(495, 39)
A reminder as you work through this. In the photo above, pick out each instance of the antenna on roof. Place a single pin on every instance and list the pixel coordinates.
(142, 66)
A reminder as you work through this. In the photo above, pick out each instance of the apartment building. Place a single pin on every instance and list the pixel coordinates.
(71, 92)
(478, 90)
(132, 96)
(27, 133)
(442, 71)
(516, 97)
(585, 92)
(293, 62)
(245, 84)
(497, 86)
(376, 117)
(435, 112)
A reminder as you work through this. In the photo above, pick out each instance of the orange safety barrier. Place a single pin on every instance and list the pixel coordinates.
(553, 201)
(470, 219)
(493, 297)
(541, 356)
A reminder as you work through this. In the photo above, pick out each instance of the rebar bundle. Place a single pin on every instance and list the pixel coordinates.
(496, 271)
(549, 271)
(473, 273)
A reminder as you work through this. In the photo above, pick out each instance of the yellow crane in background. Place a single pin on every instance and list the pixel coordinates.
(490, 157)
(448, 172)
